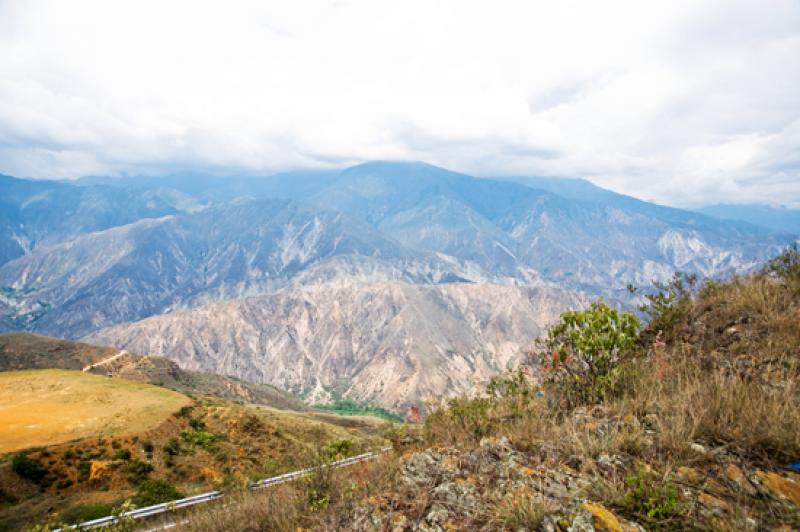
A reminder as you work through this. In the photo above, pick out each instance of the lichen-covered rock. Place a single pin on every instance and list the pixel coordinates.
(781, 487)
(736, 476)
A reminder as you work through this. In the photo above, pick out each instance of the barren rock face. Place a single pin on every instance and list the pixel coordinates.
(392, 344)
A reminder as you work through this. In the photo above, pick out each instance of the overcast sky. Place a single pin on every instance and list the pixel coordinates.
(681, 102)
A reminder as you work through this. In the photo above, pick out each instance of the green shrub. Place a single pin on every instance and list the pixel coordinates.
(152, 492)
(184, 411)
(172, 447)
(122, 454)
(28, 468)
(651, 499)
(87, 512)
(84, 467)
(199, 438)
(582, 353)
(147, 446)
(138, 471)
(197, 424)
(69, 455)
(7, 498)
(338, 449)
(63, 484)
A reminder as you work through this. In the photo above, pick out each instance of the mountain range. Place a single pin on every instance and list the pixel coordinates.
(385, 282)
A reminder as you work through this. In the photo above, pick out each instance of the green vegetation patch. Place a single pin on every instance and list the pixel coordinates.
(345, 407)
(28, 468)
(152, 492)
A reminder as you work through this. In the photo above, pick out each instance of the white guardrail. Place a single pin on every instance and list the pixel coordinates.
(202, 498)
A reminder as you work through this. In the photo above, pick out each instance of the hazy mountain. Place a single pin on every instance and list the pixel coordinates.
(148, 267)
(221, 188)
(777, 219)
(600, 242)
(391, 344)
(355, 281)
(37, 212)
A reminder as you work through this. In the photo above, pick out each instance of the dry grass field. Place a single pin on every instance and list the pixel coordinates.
(46, 407)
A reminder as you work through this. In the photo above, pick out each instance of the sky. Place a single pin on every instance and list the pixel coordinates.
(681, 102)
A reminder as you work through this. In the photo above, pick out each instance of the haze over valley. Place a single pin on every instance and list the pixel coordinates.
(386, 283)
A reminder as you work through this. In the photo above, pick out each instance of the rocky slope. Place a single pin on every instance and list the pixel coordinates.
(392, 344)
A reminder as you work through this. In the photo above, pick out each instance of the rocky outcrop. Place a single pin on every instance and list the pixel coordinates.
(499, 486)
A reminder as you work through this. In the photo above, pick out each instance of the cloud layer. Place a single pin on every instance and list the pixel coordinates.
(681, 102)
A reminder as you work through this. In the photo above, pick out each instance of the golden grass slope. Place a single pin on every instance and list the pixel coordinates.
(46, 407)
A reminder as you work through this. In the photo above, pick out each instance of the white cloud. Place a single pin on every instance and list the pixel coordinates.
(683, 102)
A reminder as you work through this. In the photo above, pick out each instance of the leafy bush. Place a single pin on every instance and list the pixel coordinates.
(138, 471)
(27, 467)
(582, 353)
(197, 424)
(201, 438)
(63, 484)
(184, 411)
(172, 447)
(122, 454)
(651, 499)
(338, 449)
(84, 467)
(152, 492)
(87, 512)
(7, 498)
(147, 446)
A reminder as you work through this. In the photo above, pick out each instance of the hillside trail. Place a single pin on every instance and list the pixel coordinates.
(105, 361)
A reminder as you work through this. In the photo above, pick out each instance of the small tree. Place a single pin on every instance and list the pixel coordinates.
(582, 353)
(786, 265)
(670, 302)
